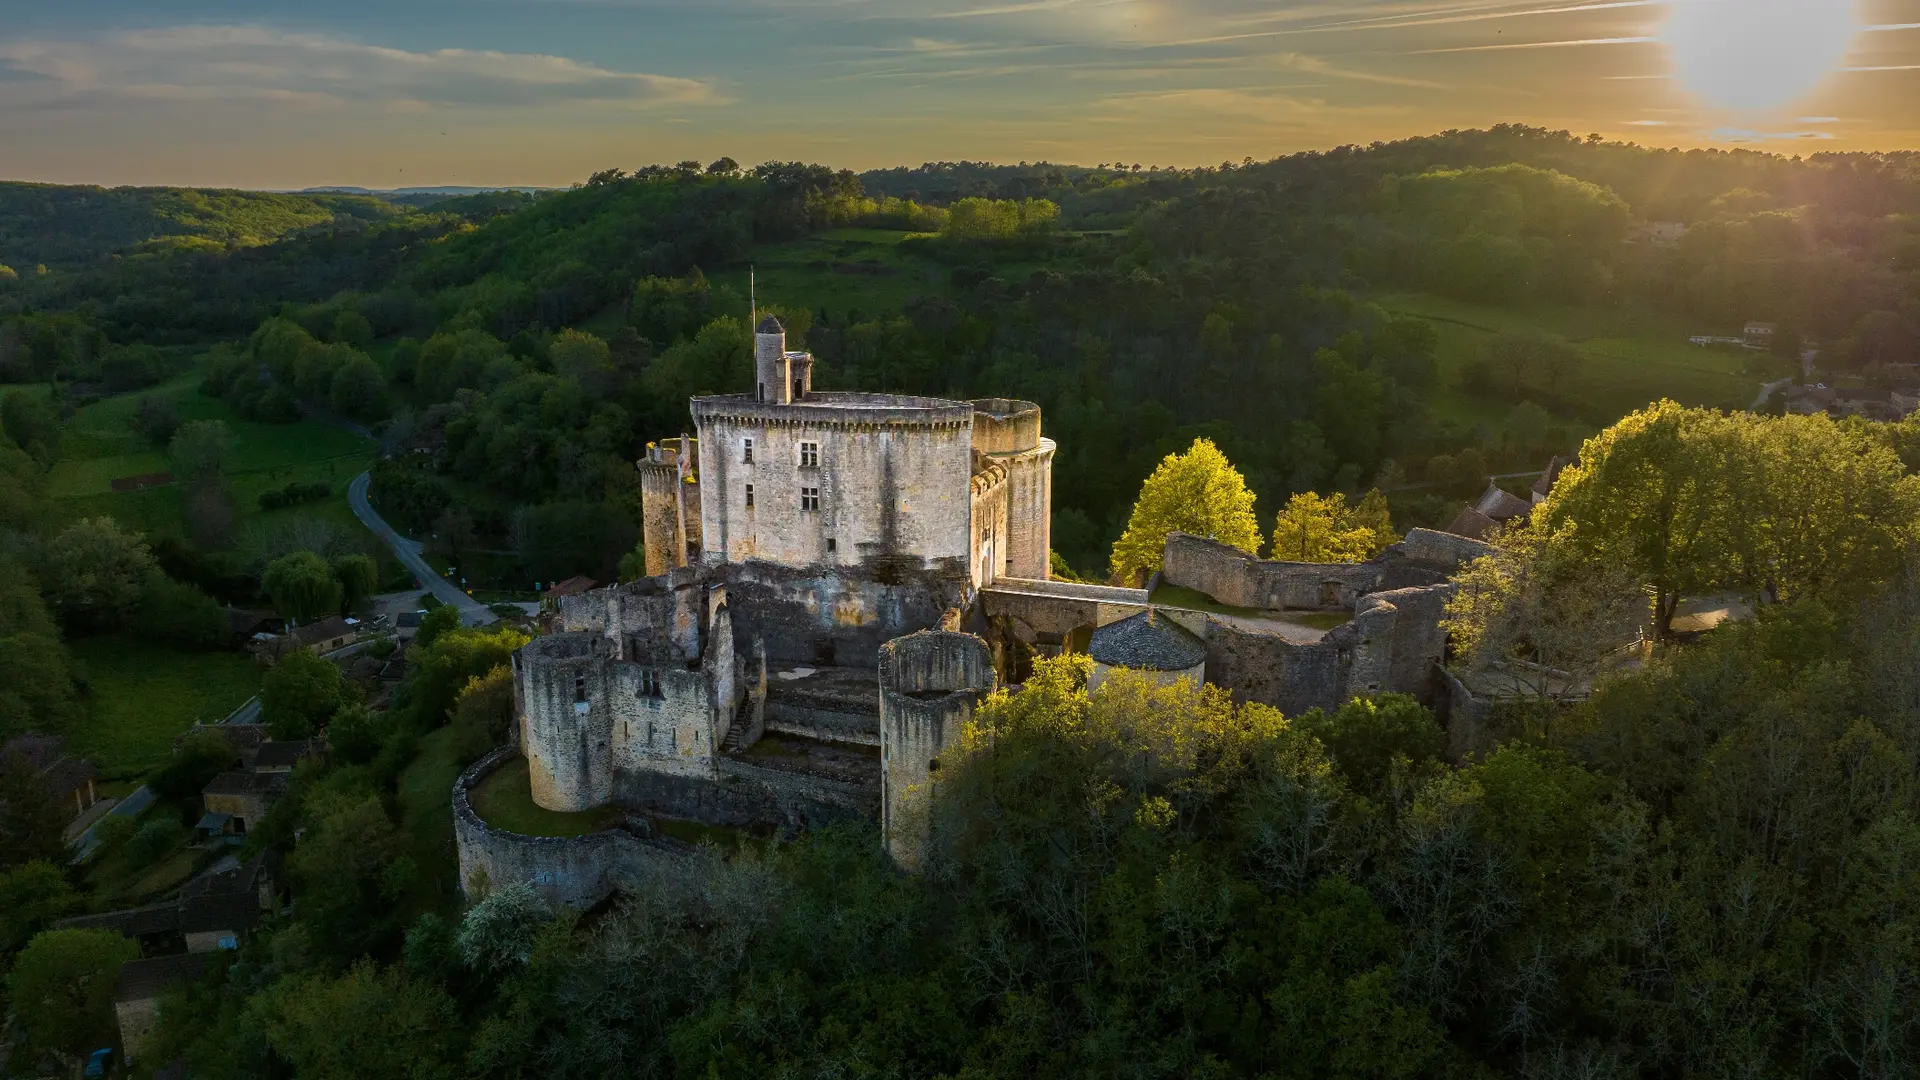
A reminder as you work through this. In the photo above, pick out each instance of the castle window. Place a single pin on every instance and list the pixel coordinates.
(749, 496)
(809, 499)
(579, 688)
(809, 455)
(831, 545)
(746, 455)
(649, 683)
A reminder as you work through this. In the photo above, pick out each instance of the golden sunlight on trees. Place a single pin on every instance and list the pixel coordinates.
(1324, 529)
(1692, 502)
(1198, 492)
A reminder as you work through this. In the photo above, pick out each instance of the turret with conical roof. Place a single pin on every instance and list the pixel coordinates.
(771, 371)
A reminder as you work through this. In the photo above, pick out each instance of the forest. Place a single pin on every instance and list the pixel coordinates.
(1706, 866)
(1253, 303)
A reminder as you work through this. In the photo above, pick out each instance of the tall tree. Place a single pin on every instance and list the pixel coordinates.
(62, 989)
(1322, 529)
(303, 586)
(1198, 492)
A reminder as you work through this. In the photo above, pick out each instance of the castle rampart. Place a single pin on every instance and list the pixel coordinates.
(576, 871)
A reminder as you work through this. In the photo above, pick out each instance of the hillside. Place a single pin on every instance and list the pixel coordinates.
(54, 225)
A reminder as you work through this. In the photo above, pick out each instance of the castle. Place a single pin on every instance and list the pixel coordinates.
(796, 653)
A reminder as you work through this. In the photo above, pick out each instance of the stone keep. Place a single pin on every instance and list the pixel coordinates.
(804, 478)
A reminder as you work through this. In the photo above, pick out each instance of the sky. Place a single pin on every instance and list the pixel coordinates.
(394, 93)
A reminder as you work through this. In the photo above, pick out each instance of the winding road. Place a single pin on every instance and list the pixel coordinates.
(472, 612)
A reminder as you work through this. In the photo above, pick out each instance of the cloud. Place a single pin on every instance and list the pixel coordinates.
(243, 62)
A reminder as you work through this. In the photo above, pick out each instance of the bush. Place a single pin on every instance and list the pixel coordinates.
(155, 420)
(179, 614)
(112, 833)
(203, 755)
(295, 494)
(154, 840)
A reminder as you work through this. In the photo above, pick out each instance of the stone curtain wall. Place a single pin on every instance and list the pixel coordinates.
(575, 872)
(930, 683)
(1231, 576)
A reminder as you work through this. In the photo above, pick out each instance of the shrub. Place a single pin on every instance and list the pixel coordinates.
(154, 840)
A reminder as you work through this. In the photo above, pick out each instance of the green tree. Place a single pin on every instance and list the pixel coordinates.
(1692, 502)
(584, 358)
(359, 578)
(1369, 737)
(1322, 529)
(32, 424)
(200, 449)
(483, 713)
(301, 692)
(36, 681)
(357, 390)
(351, 867)
(31, 819)
(367, 1024)
(96, 573)
(1539, 621)
(1198, 492)
(303, 586)
(62, 987)
(33, 894)
(352, 328)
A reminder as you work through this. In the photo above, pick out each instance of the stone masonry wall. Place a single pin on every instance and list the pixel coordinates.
(572, 871)
(892, 481)
(1231, 576)
(930, 684)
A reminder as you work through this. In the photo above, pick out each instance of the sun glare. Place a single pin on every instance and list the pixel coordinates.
(1757, 54)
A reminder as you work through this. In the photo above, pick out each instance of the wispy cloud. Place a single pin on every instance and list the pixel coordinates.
(247, 62)
(1570, 44)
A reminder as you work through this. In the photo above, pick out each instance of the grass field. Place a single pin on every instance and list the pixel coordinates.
(504, 800)
(97, 446)
(143, 694)
(1630, 357)
(841, 270)
(1179, 596)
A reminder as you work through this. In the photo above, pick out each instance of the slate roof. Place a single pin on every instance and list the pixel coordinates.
(1148, 641)
(325, 630)
(63, 776)
(770, 325)
(131, 922)
(144, 980)
(1499, 505)
(238, 782)
(285, 755)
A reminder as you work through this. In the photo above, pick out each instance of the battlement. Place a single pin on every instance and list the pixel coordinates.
(1005, 426)
(838, 410)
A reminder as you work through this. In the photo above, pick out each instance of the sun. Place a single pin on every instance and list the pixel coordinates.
(1757, 55)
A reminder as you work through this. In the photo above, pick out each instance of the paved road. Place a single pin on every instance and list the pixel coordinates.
(472, 612)
(1766, 391)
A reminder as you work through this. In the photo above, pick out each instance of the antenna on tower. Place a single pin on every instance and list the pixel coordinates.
(753, 304)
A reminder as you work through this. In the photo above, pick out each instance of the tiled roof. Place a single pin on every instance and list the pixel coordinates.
(1148, 641)
(144, 980)
(1474, 524)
